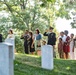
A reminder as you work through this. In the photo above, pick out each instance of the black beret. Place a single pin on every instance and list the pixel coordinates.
(51, 28)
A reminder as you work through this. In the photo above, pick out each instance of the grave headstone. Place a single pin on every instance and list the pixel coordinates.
(47, 57)
(11, 41)
(6, 59)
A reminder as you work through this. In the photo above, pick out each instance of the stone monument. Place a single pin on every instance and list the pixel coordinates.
(6, 59)
(11, 41)
(47, 57)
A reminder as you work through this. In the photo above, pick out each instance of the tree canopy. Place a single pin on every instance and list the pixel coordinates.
(31, 14)
(26, 14)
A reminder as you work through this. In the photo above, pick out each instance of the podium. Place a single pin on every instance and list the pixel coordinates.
(6, 59)
(47, 57)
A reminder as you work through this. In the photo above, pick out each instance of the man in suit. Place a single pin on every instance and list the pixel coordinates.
(25, 36)
(51, 38)
(0, 37)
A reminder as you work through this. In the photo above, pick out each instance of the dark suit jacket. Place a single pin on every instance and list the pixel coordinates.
(0, 37)
(51, 38)
(25, 37)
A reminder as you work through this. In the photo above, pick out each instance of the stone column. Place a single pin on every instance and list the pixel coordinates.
(6, 59)
(47, 57)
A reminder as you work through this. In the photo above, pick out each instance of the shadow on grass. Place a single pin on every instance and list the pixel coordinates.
(24, 69)
(31, 65)
(29, 59)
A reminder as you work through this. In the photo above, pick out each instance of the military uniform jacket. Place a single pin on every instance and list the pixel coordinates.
(51, 38)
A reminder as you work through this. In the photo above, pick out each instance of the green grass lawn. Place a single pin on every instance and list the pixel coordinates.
(31, 65)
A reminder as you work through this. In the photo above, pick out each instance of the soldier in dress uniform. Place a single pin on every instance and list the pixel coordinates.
(51, 38)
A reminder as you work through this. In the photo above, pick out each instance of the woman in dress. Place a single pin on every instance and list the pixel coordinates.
(75, 47)
(38, 38)
(71, 46)
(31, 43)
(11, 39)
(66, 46)
(10, 34)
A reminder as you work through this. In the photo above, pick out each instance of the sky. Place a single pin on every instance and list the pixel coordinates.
(63, 24)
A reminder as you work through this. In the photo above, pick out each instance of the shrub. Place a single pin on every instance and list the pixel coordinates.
(19, 44)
